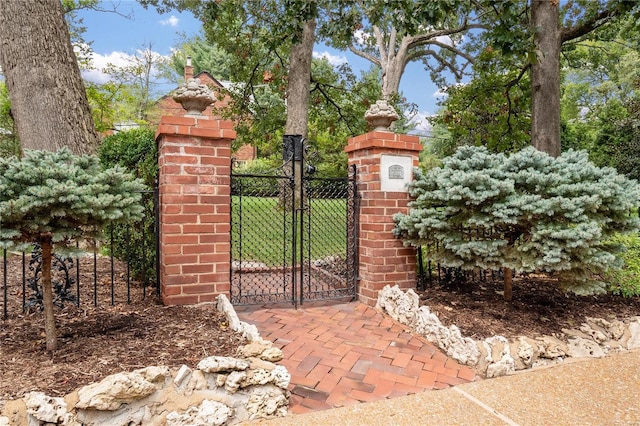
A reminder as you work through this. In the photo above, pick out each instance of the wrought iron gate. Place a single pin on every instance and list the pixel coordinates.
(293, 242)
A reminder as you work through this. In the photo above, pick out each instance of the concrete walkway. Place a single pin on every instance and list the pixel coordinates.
(346, 353)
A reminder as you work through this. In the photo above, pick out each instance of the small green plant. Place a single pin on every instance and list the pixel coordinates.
(626, 281)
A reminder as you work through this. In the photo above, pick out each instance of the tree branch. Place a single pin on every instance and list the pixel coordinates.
(443, 63)
(453, 49)
(364, 55)
(567, 34)
(422, 39)
(507, 90)
(325, 95)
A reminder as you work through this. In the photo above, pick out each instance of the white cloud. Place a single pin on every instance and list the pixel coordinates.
(420, 123)
(332, 59)
(171, 21)
(445, 40)
(99, 62)
(440, 93)
(116, 59)
(360, 37)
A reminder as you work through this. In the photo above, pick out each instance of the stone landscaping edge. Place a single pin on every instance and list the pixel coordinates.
(219, 391)
(497, 355)
(229, 390)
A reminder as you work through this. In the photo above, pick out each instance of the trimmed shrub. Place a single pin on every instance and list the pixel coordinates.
(626, 281)
(524, 212)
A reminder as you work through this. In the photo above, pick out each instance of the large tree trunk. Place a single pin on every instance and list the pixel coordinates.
(300, 82)
(47, 294)
(48, 100)
(298, 87)
(545, 77)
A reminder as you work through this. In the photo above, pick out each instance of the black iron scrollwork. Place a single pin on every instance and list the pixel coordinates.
(61, 279)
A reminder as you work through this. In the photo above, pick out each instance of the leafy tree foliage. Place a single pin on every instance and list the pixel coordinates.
(525, 212)
(9, 142)
(50, 198)
(205, 56)
(597, 70)
(600, 98)
(618, 142)
(140, 75)
(492, 110)
(393, 34)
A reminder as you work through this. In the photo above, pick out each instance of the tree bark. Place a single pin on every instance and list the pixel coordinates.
(508, 284)
(298, 87)
(48, 99)
(300, 82)
(47, 295)
(545, 77)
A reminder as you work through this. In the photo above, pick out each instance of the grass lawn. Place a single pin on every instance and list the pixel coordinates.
(262, 232)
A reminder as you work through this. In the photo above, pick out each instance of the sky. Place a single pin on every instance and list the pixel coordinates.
(113, 37)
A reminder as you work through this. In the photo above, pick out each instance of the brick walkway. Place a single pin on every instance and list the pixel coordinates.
(341, 354)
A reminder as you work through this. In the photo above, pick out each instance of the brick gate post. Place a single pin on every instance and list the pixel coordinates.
(194, 158)
(384, 163)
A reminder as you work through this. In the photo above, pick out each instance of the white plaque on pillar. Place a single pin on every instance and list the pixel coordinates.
(396, 171)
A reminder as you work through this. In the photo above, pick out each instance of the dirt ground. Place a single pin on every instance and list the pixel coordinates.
(539, 307)
(95, 342)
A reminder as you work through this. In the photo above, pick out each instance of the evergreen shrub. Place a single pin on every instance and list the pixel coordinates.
(54, 198)
(522, 212)
(626, 281)
(134, 241)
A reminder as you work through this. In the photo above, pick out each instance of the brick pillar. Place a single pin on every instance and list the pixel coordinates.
(384, 163)
(194, 158)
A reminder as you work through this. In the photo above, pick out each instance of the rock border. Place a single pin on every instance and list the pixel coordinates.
(219, 391)
(497, 355)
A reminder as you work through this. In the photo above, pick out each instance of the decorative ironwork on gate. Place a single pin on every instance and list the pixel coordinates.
(293, 235)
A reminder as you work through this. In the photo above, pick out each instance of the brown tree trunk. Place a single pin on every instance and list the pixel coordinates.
(47, 295)
(298, 87)
(48, 99)
(508, 284)
(300, 82)
(545, 77)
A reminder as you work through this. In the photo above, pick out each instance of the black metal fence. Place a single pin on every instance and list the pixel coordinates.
(430, 273)
(122, 269)
(293, 244)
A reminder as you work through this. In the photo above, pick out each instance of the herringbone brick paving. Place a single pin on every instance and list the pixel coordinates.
(343, 353)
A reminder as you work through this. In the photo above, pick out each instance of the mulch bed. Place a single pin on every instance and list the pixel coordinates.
(539, 307)
(97, 341)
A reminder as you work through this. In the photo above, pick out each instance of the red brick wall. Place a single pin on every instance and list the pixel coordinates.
(246, 153)
(194, 157)
(383, 258)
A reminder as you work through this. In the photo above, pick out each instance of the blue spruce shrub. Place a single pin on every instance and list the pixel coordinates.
(525, 212)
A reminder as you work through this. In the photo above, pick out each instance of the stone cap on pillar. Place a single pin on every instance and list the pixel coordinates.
(384, 139)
